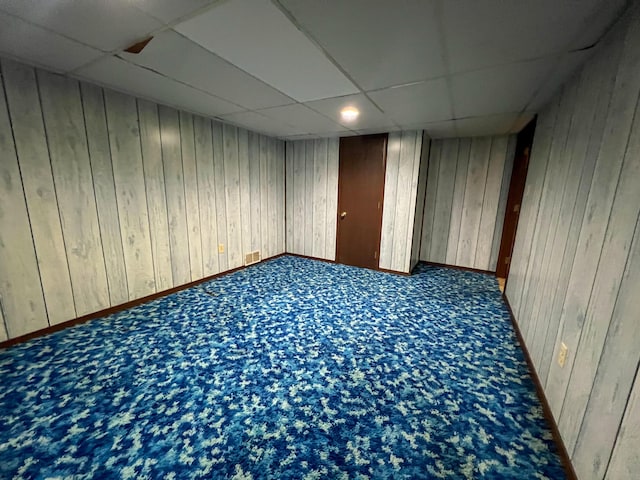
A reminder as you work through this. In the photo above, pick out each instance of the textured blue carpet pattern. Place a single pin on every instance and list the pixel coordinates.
(291, 369)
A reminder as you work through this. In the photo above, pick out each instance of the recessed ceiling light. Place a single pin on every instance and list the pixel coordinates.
(349, 114)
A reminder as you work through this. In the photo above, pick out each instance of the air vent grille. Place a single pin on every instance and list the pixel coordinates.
(252, 257)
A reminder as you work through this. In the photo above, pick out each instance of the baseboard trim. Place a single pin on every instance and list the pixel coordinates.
(384, 270)
(309, 257)
(457, 267)
(393, 272)
(562, 450)
(139, 301)
(123, 306)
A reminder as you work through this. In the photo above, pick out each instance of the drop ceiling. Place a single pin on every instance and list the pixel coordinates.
(286, 67)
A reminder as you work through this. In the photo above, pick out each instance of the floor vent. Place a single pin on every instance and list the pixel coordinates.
(251, 258)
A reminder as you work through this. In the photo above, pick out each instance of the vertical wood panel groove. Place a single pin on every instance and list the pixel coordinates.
(29, 304)
(184, 196)
(582, 250)
(221, 201)
(112, 198)
(155, 191)
(95, 195)
(146, 197)
(197, 198)
(37, 179)
(482, 203)
(630, 463)
(124, 296)
(3, 336)
(55, 195)
(124, 136)
(466, 194)
(68, 153)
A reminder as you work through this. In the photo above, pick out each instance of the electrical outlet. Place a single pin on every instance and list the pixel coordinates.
(562, 355)
(221, 248)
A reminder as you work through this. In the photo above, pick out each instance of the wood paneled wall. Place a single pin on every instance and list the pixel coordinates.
(575, 274)
(467, 189)
(400, 193)
(420, 201)
(312, 197)
(105, 198)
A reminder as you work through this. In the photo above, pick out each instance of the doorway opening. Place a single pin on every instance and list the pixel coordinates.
(361, 175)
(514, 201)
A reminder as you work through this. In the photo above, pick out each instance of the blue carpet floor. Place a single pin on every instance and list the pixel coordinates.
(291, 369)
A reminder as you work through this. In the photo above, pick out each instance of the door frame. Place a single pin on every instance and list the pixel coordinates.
(385, 137)
(522, 153)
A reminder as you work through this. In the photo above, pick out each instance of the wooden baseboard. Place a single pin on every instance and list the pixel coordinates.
(309, 257)
(139, 301)
(457, 267)
(395, 272)
(118, 308)
(562, 450)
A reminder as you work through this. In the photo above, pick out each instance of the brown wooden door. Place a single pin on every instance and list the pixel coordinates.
(360, 195)
(514, 200)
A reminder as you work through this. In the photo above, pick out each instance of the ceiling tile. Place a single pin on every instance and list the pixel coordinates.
(379, 43)
(302, 118)
(34, 45)
(178, 57)
(494, 32)
(445, 129)
(171, 10)
(342, 133)
(419, 103)
(260, 39)
(498, 90)
(293, 138)
(126, 77)
(597, 24)
(107, 25)
(262, 124)
(370, 116)
(486, 125)
(521, 122)
(372, 131)
(565, 66)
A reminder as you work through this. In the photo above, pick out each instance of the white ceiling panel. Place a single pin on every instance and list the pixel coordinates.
(598, 23)
(521, 122)
(372, 131)
(40, 47)
(257, 37)
(263, 124)
(123, 76)
(419, 103)
(498, 90)
(378, 42)
(107, 25)
(302, 118)
(346, 133)
(170, 10)
(493, 32)
(293, 138)
(370, 116)
(178, 57)
(565, 66)
(287, 67)
(489, 125)
(444, 129)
